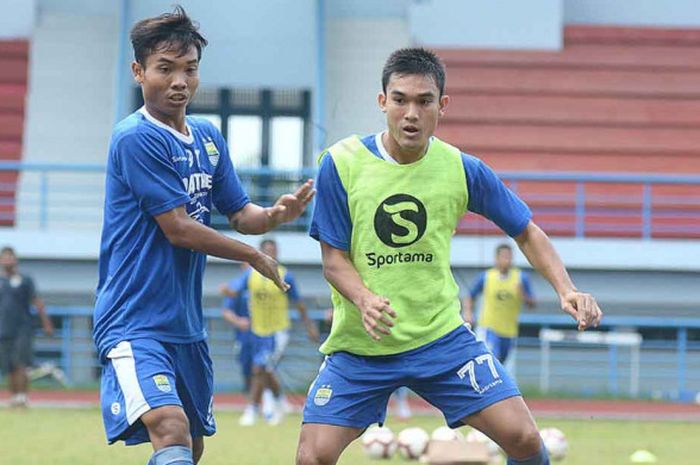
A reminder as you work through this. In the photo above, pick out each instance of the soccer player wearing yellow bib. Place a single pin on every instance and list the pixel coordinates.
(505, 289)
(387, 206)
(269, 327)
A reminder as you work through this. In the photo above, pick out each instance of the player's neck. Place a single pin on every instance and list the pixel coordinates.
(402, 157)
(177, 122)
(9, 272)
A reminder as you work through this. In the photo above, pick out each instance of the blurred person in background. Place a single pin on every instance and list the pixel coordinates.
(236, 312)
(166, 171)
(269, 325)
(17, 296)
(505, 289)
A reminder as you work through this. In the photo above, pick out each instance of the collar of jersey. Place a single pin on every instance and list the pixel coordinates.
(383, 152)
(189, 140)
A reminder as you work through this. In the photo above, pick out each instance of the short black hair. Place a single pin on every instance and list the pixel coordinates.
(8, 249)
(171, 30)
(503, 246)
(268, 241)
(406, 61)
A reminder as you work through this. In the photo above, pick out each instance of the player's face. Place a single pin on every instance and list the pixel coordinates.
(8, 260)
(504, 259)
(169, 80)
(413, 105)
(269, 249)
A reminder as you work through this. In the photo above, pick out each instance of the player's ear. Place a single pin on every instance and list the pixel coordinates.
(381, 100)
(444, 101)
(137, 71)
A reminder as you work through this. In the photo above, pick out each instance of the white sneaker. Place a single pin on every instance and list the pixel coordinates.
(268, 404)
(249, 417)
(277, 415)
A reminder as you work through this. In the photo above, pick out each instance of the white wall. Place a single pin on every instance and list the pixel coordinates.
(17, 18)
(356, 49)
(669, 13)
(511, 24)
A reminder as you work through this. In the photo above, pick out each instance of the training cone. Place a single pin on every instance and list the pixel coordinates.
(642, 456)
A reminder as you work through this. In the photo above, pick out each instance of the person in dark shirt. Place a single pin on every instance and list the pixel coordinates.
(17, 296)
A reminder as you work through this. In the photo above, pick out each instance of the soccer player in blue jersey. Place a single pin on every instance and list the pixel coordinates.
(165, 172)
(386, 209)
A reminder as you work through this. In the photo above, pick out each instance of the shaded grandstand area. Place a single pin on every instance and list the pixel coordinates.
(614, 100)
(14, 63)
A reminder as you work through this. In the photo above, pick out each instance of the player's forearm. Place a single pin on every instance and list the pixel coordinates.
(540, 252)
(252, 219)
(342, 275)
(195, 236)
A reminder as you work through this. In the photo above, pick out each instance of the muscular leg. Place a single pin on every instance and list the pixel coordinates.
(197, 448)
(322, 444)
(167, 426)
(510, 424)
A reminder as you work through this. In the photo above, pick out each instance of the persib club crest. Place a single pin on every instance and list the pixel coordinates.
(323, 395)
(212, 153)
(162, 383)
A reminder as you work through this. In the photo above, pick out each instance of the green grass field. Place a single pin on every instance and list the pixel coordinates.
(75, 437)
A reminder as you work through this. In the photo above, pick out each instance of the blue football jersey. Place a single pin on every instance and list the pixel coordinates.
(147, 287)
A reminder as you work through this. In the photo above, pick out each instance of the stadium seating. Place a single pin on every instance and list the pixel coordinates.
(14, 57)
(613, 100)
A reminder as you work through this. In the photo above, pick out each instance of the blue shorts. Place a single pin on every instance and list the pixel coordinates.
(268, 350)
(456, 373)
(143, 374)
(500, 346)
(244, 343)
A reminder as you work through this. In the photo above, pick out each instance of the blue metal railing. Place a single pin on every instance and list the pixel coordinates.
(569, 211)
(669, 363)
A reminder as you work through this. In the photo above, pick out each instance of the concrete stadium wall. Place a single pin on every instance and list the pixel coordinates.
(673, 13)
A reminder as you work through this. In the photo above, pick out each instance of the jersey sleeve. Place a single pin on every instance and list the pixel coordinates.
(228, 194)
(492, 199)
(331, 222)
(31, 289)
(293, 292)
(143, 163)
(477, 286)
(527, 285)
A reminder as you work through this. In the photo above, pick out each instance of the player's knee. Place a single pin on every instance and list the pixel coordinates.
(525, 443)
(307, 454)
(168, 425)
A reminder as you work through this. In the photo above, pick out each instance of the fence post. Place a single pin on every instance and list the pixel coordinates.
(612, 369)
(646, 211)
(43, 199)
(682, 348)
(580, 209)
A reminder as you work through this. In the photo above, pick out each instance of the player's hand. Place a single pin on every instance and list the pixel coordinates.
(290, 206)
(583, 308)
(243, 323)
(312, 331)
(376, 313)
(268, 267)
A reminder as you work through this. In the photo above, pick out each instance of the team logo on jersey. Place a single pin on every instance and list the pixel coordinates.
(116, 408)
(212, 153)
(400, 220)
(323, 395)
(162, 383)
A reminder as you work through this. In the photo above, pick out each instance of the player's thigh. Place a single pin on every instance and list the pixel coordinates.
(321, 444)
(460, 376)
(23, 349)
(510, 424)
(195, 381)
(167, 426)
(350, 391)
(137, 376)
